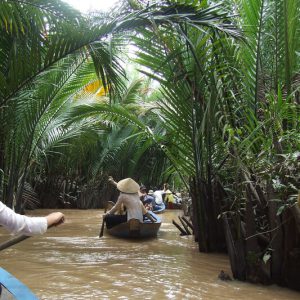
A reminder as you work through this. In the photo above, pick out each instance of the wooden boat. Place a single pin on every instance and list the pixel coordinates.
(135, 229)
(160, 208)
(13, 289)
(171, 205)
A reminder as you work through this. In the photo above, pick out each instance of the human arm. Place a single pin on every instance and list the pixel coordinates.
(111, 181)
(150, 217)
(16, 223)
(116, 207)
(55, 219)
(146, 212)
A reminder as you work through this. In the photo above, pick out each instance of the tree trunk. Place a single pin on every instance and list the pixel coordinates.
(291, 252)
(276, 237)
(255, 268)
(236, 252)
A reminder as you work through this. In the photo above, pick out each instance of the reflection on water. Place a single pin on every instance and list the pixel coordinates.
(71, 262)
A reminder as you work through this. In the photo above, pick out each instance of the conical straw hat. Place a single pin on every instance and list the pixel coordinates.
(128, 185)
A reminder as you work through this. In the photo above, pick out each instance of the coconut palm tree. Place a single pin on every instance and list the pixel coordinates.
(57, 43)
(228, 125)
(226, 116)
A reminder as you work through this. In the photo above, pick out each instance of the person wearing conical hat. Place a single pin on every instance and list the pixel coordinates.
(129, 197)
(169, 198)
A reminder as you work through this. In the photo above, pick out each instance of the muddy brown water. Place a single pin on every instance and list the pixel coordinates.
(71, 262)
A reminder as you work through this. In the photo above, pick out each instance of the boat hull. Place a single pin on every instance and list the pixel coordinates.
(134, 229)
(13, 289)
(171, 205)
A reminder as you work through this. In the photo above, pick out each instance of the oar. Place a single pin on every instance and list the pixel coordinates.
(18, 239)
(13, 241)
(109, 205)
(110, 180)
(102, 226)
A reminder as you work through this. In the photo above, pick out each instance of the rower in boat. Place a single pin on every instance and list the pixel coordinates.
(135, 229)
(136, 213)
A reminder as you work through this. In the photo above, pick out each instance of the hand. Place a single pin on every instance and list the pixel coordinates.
(55, 219)
(105, 215)
(111, 181)
(150, 217)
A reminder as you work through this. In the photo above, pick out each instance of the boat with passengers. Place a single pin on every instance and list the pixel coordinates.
(134, 228)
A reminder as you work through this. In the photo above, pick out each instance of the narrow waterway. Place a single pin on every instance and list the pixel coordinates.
(71, 262)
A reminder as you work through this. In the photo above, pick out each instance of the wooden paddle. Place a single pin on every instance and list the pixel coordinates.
(109, 205)
(13, 241)
(110, 180)
(102, 226)
(20, 238)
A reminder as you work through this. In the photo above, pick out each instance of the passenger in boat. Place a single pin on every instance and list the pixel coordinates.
(142, 192)
(153, 203)
(165, 188)
(178, 198)
(146, 198)
(129, 197)
(169, 199)
(158, 199)
(161, 194)
(16, 223)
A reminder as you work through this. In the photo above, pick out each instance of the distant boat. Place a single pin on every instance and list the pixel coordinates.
(159, 208)
(171, 205)
(13, 289)
(135, 229)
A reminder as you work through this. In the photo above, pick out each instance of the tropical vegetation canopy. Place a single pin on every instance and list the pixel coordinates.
(203, 95)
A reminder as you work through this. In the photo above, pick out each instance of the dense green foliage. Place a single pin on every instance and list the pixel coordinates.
(212, 106)
(49, 54)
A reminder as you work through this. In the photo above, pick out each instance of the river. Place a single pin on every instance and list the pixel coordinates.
(71, 262)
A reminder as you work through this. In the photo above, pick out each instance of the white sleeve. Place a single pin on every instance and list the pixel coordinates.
(16, 223)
